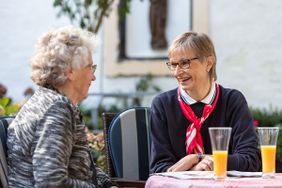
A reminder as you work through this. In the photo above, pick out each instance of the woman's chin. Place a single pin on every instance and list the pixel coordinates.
(185, 86)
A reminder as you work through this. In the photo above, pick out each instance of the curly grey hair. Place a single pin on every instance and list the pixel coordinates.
(58, 51)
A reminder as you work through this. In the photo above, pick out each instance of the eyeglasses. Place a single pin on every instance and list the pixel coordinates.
(93, 67)
(183, 64)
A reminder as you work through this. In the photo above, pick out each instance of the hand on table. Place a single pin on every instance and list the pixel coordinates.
(206, 164)
(186, 163)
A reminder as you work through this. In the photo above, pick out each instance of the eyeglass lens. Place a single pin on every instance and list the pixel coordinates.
(184, 64)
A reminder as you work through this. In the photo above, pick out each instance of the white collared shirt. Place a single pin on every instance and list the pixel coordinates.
(207, 100)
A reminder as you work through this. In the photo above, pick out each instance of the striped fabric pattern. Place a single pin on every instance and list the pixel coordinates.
(4, 123)
(129, 143)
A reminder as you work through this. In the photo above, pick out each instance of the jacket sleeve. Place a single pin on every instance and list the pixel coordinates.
(103, 179)
(244, 154)
(53, 149)
(162, 156)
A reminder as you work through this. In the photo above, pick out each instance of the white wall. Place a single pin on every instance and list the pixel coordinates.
(21, 23)
(248, 41)
(247, 37)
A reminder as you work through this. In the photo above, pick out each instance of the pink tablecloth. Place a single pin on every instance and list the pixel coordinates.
(168, 182)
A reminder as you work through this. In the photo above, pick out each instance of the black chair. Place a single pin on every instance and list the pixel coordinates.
(127, 143)
(4, 123)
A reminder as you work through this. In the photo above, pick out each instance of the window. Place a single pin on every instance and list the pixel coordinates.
(128, 51)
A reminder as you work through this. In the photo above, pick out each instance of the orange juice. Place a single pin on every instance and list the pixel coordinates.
(268, 153)
(219, 163)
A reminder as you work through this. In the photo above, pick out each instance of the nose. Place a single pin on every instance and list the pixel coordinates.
(93, 77)
(177, 70)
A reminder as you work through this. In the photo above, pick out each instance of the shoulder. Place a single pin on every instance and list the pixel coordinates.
(164, 101)
(54, 100)
(45, 103)
(232, 98)
(231, 94)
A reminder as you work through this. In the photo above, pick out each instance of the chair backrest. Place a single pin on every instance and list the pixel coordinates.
(4, 123)
(129, 143)
(107, 118)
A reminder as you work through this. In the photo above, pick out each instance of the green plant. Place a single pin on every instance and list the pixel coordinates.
(89, 14)
(145, 84)
(86, 114)
(7, 107)
(97, 146)
(267, 118)
(270, 118)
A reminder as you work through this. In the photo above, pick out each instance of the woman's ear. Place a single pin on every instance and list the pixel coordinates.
(210, 62)
(70, 74)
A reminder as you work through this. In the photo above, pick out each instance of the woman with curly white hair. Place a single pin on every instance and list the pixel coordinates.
(47, 143)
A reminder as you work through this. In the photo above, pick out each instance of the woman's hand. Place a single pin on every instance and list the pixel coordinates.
(186, 163)
(206, 164)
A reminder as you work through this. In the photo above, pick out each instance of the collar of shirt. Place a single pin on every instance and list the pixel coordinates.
(207, 100)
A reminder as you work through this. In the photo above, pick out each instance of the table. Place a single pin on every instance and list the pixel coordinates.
(156, 181)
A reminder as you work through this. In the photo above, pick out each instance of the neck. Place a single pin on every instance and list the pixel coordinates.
(201, 92)
(69, 93)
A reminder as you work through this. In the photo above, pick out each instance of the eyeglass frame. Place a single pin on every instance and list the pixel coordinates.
(93, 67)
(188, 61)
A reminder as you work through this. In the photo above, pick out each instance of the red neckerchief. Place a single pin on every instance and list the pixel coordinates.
(193, 139)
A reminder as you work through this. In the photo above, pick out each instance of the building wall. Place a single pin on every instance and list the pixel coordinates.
(248, 40)
(21, 23)
(246, 34)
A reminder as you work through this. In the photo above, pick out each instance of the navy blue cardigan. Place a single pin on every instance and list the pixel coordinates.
(168, 129)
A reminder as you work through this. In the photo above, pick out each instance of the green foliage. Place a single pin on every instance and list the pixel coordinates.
(270, 118)
(89, 14)
(7, 108)
(146, 84)
(267, 118)
(124, 8)
(98, 150)
(86, 114)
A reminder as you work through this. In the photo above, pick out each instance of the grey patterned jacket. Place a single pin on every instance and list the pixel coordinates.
(47, 145)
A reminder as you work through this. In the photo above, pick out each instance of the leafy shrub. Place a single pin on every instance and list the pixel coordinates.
(97, 146)
(8, 108)
(270, 118)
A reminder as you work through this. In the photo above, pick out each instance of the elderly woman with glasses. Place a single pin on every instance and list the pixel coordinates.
(180, 118)
(47, 143)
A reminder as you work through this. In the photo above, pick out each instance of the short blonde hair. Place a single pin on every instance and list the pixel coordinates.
(57, 51)
(199, 43)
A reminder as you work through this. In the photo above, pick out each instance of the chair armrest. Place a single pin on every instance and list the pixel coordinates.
(129, 183)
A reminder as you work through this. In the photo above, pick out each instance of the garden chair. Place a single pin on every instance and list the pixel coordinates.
(127, 144)
(4, 123)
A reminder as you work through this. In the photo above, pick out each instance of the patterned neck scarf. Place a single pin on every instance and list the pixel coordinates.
(194, 142)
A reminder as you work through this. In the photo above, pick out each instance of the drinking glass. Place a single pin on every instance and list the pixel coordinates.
(220, 137)
(268, 140)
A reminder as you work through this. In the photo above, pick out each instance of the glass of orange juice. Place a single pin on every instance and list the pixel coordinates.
(268, 140)
(220, 137)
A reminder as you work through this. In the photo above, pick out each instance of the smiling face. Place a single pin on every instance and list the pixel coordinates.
(196, 78)
(195, 54)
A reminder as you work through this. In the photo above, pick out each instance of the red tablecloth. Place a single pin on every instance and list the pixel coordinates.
(254, 182)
